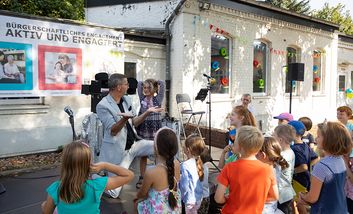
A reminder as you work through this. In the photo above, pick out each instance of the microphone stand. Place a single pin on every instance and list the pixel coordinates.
(209, 124)
(72, 123)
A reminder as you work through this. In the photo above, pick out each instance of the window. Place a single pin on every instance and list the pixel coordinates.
(317, 71)
(130, 69)
(293, 55)
(220, 64)
(341, 83)
(260, 68)
(351, 79)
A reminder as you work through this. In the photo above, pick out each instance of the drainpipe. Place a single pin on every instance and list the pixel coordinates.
(168, 56)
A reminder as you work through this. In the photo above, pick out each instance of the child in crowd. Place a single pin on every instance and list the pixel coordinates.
(285, 135)
(151, 93)
(240, 116)
(308, 138)
(75, 192)
(159, 192)
(326, 194)
(250, 181)
(270, 153)
(192, 174)
(205, 203)
(284, 118)
(344, 113)
(305, 158)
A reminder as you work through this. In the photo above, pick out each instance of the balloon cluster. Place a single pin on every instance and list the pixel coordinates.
(349, 93)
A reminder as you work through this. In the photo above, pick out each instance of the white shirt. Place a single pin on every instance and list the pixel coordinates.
(285, 188)
(11, 69)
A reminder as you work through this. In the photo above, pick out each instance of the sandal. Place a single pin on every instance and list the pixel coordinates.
(139, 182)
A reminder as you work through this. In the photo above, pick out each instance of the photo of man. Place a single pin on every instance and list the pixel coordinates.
(12, 66)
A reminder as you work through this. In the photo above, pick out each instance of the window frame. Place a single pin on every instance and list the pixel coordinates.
(268, 67)
(322, 71)
(344, 83)
(297, 60)
(230, 56)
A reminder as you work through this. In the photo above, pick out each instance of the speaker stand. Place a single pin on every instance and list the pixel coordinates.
(290, 96)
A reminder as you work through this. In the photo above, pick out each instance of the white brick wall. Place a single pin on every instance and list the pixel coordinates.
(243, 29)
(190, 57)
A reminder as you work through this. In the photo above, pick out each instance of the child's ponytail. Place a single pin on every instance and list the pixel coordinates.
(196, 146)
(199, 165)
(282, 162)
(170, 169)
(272, 149)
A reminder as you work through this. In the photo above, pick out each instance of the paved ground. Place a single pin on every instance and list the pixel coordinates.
(25, 193)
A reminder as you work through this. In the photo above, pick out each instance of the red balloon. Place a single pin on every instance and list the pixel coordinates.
(224, 81)
(255, 63)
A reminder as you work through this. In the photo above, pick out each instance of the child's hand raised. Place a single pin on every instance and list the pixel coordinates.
(97, 167)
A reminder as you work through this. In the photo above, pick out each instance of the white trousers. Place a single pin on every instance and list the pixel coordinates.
(140, 148)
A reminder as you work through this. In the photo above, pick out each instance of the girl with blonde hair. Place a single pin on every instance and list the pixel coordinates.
(75, 192)
(239, 117)
(192, 174)
(285, 135)
(270, 153)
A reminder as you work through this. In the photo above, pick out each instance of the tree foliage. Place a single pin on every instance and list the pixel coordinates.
(301, 6)
(68, 9)
(336, 14)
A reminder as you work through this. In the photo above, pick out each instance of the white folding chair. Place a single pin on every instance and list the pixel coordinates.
(185, 110)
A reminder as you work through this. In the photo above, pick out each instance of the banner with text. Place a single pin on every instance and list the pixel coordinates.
(47, 58)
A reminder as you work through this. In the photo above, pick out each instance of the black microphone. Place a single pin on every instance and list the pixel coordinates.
(69, 111)
(208, 77)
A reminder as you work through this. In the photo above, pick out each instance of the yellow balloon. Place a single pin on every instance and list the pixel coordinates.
(213, 81)
(349, 96)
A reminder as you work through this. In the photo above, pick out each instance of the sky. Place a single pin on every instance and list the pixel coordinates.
(318, 4)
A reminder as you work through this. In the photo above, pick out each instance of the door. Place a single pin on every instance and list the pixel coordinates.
(341, 88)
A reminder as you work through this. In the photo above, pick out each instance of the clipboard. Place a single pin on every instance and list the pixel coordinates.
(202, 94)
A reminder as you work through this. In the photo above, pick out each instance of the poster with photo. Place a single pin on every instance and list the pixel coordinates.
(49, 57)
(59, 68)
(15, 66)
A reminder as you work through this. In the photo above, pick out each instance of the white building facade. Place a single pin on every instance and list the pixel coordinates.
(246, 46)
(39, 124)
